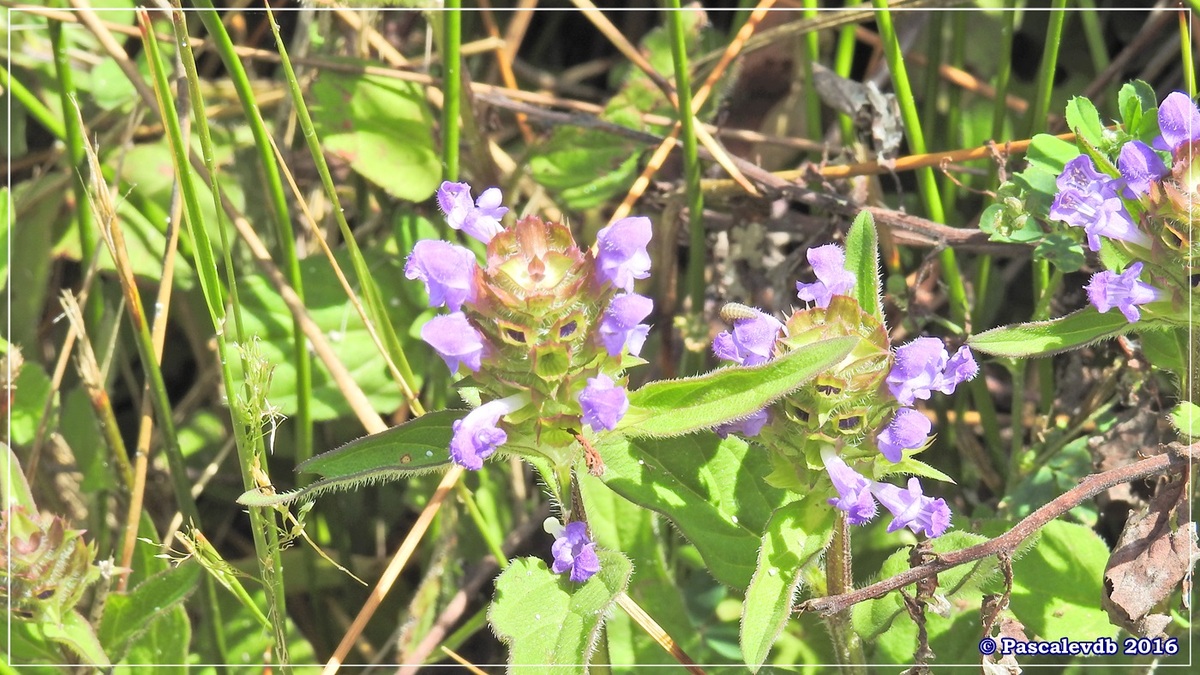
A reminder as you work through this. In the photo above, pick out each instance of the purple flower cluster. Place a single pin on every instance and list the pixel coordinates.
(1100, 204)
(909, 507)
(452, 278)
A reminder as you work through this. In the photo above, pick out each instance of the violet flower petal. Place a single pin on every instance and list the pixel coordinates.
(574, 550)
(748, 426)
(603, 403)
(1140, 166)
(829, 264)
(911, 509)
(751, 342)
(480, 219)
(1107, 289)
(477, 435)
(455, 340)
(854, 494)
(918, 369)
(960, 368)
(1178, 122)
(908, 430)
(447, 270)
(620, 326)
(621, 255)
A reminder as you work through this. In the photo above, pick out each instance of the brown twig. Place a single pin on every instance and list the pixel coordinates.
(1176, 458)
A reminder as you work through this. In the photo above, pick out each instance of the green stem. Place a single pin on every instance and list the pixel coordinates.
(1000, 105)
(93, 312)
(451, 84)
(926, 181)
(32, 105)
(1045, 84)
(493, 545)
(1185, 44)
(843, 62)
(1017, 369)
(1094, 35)
(812, 53)
(955, 137)
(697, 257)
(838, 579)
(278, 207)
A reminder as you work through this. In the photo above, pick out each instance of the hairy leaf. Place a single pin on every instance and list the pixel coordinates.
(862, 258)
(418, 446)
(1042, 338)
(677, 407)
(795, 536)
(127, 616)
(548, 620)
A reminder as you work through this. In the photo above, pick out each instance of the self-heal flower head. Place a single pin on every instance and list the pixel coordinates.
(911, 509)
(455, 340)
(477, 435)
(621, 255)
(573, 550)
(1123, 291)
(923, 366)
(751, 342)
(1140, 166)
(748, 427)
(603, 403)
(1178, 122)
(854, 493)
(829, 264)
(480, 219)
(908, 430)
(620, 327)
(447, 270)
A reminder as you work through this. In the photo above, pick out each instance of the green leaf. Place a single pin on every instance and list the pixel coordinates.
(676, 407)
(1084, 120)
(30, 391)
(862, 259)
(548, 620)
(1042, 338)
(1057, 583)
(585, 167)
(127, 616)
(15, 490)
(1050, 153)
(381, 127)
(795, 537)
(1167, 349)
(711, 489)
(1062, 250)
(76, 634)
(418, 446)
(1186, 419)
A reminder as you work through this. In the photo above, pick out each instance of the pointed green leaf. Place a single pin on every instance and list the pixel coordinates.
(548, 620)
(1167, 349)
(795, 537)
(676, 407)
(1084, 120)
(862, 258)
(15, 489)
(711, 489)
(1042, 338)
(127, 616)
(1186, 419)
(418, 446)
(76, 634)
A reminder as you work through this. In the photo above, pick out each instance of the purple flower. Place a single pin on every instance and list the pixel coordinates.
(447, 270)
(1140, 166)
(621, 255)
(455, 340)
(1089, 199)
(1123, 291)
(912, 509)
(480, 220)
(476, 436)
(854, 494)
(748, 426)
(620, 327)
(1179, 123)
(923, 366)
(829, 264)
(752, 341)
(574, 550)
(908, 430)
(603, 403)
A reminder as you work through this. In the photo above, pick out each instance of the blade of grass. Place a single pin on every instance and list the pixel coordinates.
(32, 105)
(1185, 43)
(926, 182)
(250, 446)
(451, 20)
(843, 62)
(812, 54)
(697, 251)
(376, 318)
(278, 208)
